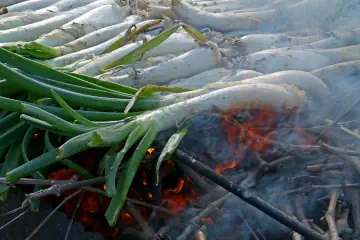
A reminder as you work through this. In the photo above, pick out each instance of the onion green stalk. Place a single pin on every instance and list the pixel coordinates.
(72, 112)
(97, 37)
(130, 57)
(169, 149)
(11, 161)
(35, 203)
(132, 34)
(36, 68)
(128, 175)
(186, 65)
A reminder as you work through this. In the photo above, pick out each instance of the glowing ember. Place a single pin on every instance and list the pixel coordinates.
(104, 187)
(127, 218)
(150, 195)
(151, 150)
(36, 135)
(225, 165)
(179, 186)
(207, 220)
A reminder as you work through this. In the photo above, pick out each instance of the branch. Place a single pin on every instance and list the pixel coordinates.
(148, 231)
(58, 189)
(73, 216)
(52, 213)
(248, 196)
(330, 216)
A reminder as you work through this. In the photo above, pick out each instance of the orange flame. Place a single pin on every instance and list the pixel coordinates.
(179, 187)
(150, 150)
(105, 187)
(225, 165)
(207, 220)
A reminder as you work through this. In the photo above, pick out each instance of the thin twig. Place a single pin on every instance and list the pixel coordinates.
(73, 216)
(322, 167)
(148, 231)
(201, 233)
(309, 188)
(23, 206)
(248, 196)
(342, 223)
(58, 189)
(249, 227)
(148, 205)
(196, 222)
(52, 213)
(338, 119)
(330, 216)
(346, 130)
(14, 219)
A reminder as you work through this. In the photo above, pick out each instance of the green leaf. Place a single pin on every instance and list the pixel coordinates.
(130, 57)
(72, 112)
(131, 35)
(33, 49)
(12, 160)
(127, 176)
(150, 89)
(131, 140)
(169, 149)
(194, 33)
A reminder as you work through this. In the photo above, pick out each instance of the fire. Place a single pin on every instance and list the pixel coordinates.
(127, 218)
(179, 186)
(104, 187)
(207, 220)
(257, 133)
(36, 135)
(150, 195)
(150, 150)
(225, 165)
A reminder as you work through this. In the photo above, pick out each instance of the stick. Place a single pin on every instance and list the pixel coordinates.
(322, 167)
(337, 119)
(14, 219)
(315, 187)
(330, 216)
(58, 189)
(355, 212)
(145, 204)
(148, 231)
(342, 222)
(248, 197)
(204, 186)
(23, 206)
(201, 234)
(52, 213)
(346, 130)
(196, 221)
(73, 216)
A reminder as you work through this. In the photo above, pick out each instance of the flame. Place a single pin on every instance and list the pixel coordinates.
(150, 150)
(104, 187)
(207, 220)
(127, 218)
(180, 195)
(179, 187)
(225, 165)
(150, 195)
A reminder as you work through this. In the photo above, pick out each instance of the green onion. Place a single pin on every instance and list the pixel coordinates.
(11, 161)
